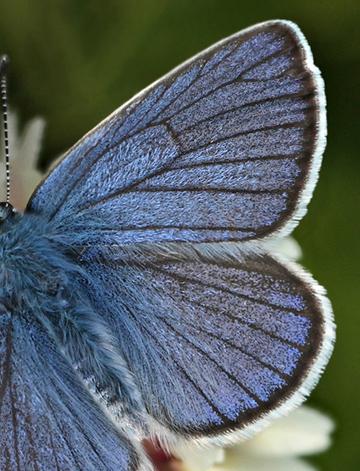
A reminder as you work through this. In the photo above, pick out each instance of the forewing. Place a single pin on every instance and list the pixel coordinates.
(220, 340)
(48, 420)
(225, 147)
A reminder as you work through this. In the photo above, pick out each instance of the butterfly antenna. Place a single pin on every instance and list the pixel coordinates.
(3, 70)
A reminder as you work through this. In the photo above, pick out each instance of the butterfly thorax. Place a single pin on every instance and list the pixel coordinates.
(8, 213)
(31, 265)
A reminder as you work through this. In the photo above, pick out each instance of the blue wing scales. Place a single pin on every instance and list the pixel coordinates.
(239, 114)
(48, 420)
(216, 341)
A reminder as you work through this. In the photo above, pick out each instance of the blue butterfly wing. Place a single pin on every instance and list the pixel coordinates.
(217, 338)
(225, 147)
(48, 420)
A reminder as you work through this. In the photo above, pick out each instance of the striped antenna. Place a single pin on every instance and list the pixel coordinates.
(3, 69)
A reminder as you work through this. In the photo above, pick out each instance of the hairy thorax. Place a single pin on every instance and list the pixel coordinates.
(34, 273)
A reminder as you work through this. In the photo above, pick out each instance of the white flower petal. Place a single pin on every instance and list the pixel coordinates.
(200, 459)
(24, 152)
(303, 432)
(249, 463)
(30, 144)
(13, 126)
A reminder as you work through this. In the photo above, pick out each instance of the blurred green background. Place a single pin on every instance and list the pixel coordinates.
(75, 61)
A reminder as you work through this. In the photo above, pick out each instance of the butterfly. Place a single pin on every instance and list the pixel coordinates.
(140, 292)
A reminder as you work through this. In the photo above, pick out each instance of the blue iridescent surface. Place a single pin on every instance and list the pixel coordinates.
(139, 267)
(227, 336)
(216, 151)
(45, 411)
